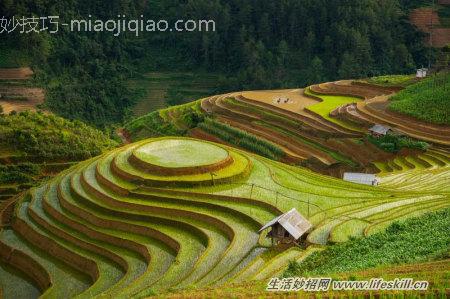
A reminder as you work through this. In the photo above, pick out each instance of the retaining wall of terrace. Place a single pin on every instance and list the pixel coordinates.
(157, 183)
(54, 249)
(25, 264)
(119, 225)
(211, 206)
(77, 242)
(243, 200)
(120, 206)
(165, 171)
(324, 130)
(175, 213)
(7, 211)
(120, 242)
(319, 90)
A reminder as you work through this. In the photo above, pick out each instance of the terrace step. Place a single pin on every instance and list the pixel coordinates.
(65, 280)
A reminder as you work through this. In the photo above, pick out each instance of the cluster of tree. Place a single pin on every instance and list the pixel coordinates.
(19, 174)
(393, 143)
(257, 44)
(51, 137)
(84, 73)
(278, 43)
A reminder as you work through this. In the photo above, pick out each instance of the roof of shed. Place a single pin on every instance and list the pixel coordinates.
(293, 222)
(356, 176)
(380, 129)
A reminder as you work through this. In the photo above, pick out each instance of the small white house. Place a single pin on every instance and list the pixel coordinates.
(421, 73)
(380, 130)
(361, 178)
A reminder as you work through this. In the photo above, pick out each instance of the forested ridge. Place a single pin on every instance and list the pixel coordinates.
(257, 45)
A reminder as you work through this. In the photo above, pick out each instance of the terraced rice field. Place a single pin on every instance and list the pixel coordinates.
(290, 99)
(422, 172)
(133, 223)
(322, 127)
(15, 92)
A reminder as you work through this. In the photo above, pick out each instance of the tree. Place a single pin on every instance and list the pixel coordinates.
(316, 71)
(350, 67)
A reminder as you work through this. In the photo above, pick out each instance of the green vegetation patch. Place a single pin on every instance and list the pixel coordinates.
(392, 80)
(10, 57)
(19, 174)
(415, 240)
(180, 153)
(242, 139)
(427, 100)
(330, 103)
(51, 137)
(392, 143)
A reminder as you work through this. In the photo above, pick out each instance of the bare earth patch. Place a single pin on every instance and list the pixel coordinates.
(288, 99)
(16, 73)
(29, 98)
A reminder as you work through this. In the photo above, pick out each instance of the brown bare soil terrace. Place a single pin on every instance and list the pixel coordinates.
(14, 96)
(427, 20)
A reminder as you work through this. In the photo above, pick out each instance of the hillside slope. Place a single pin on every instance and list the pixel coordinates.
(153, 216)
(413, 249)
(427, 100)
(323, 127)
(17, 92)
(34, 146)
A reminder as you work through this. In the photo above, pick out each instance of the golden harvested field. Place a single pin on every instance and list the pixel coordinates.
(297, 101)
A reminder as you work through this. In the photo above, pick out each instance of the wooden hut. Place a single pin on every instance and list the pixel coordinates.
(287, 228)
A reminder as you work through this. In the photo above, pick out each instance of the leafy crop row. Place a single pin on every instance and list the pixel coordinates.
(242, 138)
(426, 100)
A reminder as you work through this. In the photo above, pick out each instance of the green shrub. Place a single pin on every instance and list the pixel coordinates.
(392, 143)
(18, 174)
(152, 125)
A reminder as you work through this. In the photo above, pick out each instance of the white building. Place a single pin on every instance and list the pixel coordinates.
(361, 178)
(421, 73)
